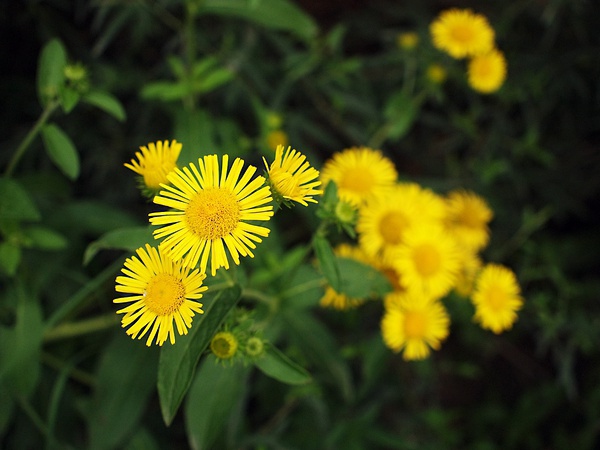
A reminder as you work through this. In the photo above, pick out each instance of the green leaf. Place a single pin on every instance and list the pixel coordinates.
(15, 202)
(61, 150)
(125, 381)
(195, 131)
(51, 67)
(178, 362)
(274, 14)
(401, 111)
(165, 90)
(214, 393)
(107, 103)
(45, 238)
(7, 406)
(359, 280)
(327, 262)
(303, 289)
(68, 98)
(10, 257)
(277, 365)
(130, 239)
(20, 347)
(92, 218)
(213, 79)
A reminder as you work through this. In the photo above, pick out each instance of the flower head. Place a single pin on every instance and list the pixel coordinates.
(358, 173)
(436, 73)
(487, 71)
(428, 261)
(292, 177)
(467, 219)
(155, 162)
(275, 138)
(389, 214)
(212, 209)
(470, 265)
(496, 297)
(407, 40)
(413, 324)
(224, 345)
(160, 291)
(461, 33)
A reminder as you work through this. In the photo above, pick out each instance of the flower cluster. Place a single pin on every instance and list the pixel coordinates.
(215, 213)
(426, 244)
(462, 33)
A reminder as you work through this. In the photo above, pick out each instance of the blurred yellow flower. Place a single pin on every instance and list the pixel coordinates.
(390, 213)
(212, 209)
(496, 297)
(224, 345)
(275, 138)
(414, 324)
(470, 265)
(407, 40)
(292, 178)
(160, 291)
(462, 33)
(487, 72)
(155, 162)
(436, 73)
(468, 218)
(428, 260)
(358, 173)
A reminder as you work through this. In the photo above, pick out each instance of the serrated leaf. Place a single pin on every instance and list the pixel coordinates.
(15, 202)
(274, 14)
(361, 281)
(125, 380)
(278, 366)
(106, 102)
(327, 262)
(51, 66)
(61, 150)
(10, 257)
(177, 363)
(215, 391)
(130, 238)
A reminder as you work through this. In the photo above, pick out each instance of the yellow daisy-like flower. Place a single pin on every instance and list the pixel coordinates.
(292, 177)
(160, 291)
(468, 218)
(358, 173)
(407, 40)
(414, 324)
(436, 73)
(275, 138)
(461, 33)
(155, 162)
(224, 345)
(496, 298)
(212, 209)
(428, 261)
(389, 214)
(470, 266)
(487, 72)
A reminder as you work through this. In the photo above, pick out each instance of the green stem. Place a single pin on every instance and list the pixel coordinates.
(74, 373)
(72, 329)
(50, 107)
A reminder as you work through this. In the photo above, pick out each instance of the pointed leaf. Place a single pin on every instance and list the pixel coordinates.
(10, 257)
(177, 362)
(107, 103)
(277, 365)
(45, 238)
(15, 202)
(130, 239)
(51, 67)
(69, 98)
(215, 391)
(327, 262)
(61, 150)
(359, 280)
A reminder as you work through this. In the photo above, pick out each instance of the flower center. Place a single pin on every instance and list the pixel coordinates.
(392, 226)
(357, 179)
(224, 345)
(164, 294)
(427, 259)
(496, 298)
(415, 324)
(469, 218)
(462, 34)
(213, 213)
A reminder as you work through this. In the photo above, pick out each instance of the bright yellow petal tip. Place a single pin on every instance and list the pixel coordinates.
(155, 161)
(161, 293)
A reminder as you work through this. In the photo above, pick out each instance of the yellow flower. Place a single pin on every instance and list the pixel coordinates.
(358, 173)
(336, 300)
(155, 162)
(292, 177)
(212, 210)
(428, 261)
(461, 33)
(487, 72)
(468, 218)
(436, 73)
(496, 297)
(407, 40)
(160, 291)
(413, 324)
(224, 345)
(470, 266)
(275, 138)
(389, 214)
